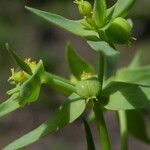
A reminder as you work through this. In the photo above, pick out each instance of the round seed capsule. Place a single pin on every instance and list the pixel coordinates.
(88, 88)
(119, 31)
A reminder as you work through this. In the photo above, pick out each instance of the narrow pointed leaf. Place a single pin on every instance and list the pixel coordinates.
(67, 113)
(111, 55)
(99, 12)
(137, 125)
(140, 75)
(9, 105)
(74, 27)
(135, 73)
(89, 137)
(137, 60)
(126, 96)
(122, 8)
(76, 63)
(109, 13)
(18, 60)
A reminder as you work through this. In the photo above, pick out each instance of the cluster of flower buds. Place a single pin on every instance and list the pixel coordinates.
(117, 30)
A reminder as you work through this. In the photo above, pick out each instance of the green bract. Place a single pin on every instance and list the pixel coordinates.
(30, 90)
(119, 31)
(88, 88)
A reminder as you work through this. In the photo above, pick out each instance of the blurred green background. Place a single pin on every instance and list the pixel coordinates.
(33, 37)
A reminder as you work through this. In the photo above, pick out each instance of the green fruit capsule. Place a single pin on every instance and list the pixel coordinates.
(85, 8)
(119, 31)
(88, 88)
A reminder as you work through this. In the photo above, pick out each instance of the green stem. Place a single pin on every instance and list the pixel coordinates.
(101, 125)
(59, 84)
(123, 129)
(104, 138)
(101, 68)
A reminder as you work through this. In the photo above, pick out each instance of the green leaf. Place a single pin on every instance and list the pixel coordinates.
(140, 75)
(17, 59)
(135, 72)
(137, 126)
(125, 96)
(74, 27)
(109, 13)
(122, 8)
(136, 62)
(66, 114)
(99, 12)
(77, 64)
(111, 56)
(89, 137)
(9, 105)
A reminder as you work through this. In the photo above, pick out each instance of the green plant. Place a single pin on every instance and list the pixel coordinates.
(125, 91)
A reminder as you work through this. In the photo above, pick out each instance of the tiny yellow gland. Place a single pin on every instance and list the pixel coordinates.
(32, 64)
(86, 75)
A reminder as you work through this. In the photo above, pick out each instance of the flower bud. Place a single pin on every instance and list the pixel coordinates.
(88, 88)
(119, 31)
(85, 8)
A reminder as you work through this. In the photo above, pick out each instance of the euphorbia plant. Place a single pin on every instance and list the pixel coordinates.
(125, 91)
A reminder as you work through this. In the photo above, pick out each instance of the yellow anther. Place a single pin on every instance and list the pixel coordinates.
(32, 64)
(86, 75)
